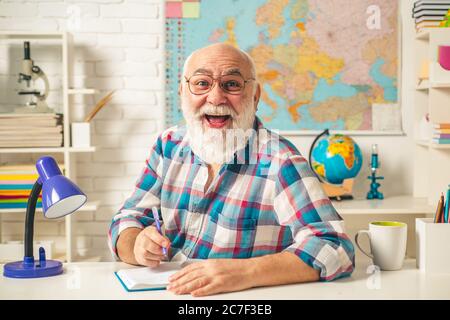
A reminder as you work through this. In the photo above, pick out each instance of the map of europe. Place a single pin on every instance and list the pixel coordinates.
(321, 64)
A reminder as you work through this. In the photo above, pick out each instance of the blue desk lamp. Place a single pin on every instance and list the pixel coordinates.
(60, 197)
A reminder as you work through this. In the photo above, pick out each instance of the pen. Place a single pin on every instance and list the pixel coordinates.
(447, 205)
(439, 211)
(158, 225)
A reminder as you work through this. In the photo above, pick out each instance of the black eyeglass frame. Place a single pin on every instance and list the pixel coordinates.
(220, 83)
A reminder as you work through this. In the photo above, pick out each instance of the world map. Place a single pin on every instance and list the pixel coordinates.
(321, 64)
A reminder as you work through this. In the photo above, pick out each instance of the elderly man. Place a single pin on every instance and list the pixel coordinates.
(256, 215)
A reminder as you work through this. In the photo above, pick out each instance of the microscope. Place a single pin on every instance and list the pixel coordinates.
(31, 72)
(374, 185)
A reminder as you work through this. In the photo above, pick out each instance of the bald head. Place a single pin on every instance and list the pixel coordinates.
(219, 93)
(220, 53)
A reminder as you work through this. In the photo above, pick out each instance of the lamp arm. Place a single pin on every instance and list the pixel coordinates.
(29, 218)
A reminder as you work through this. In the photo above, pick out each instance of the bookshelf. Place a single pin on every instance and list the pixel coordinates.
(432, 96)
(66, 152)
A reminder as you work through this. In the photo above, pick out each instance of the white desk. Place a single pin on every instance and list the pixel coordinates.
(95, 280)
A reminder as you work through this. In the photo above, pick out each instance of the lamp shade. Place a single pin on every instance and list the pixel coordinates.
(60, 196)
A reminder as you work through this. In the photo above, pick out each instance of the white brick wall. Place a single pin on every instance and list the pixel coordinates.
(18, 10)
(59, 10)
(130, 10)
(129, 40)
(118, 45)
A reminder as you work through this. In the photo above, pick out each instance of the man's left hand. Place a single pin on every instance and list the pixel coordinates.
(212, 276)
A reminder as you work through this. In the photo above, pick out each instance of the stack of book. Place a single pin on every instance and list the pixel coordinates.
(31, 130)
(430, 13)
(441, 134)
(16, 183)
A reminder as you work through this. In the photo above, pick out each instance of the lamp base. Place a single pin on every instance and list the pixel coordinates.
(36, 269)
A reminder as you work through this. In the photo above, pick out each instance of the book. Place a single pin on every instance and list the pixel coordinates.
(23, 187)
(430, 18)
(146, 278)
(19, 167)
(442, 136)
(441, 126)
(431, 7)
(13, 131)
(30, 119)
(424, 12)
(427, 24)
(31, 130)
(430, 2)
(441, 131)
(431, 14)
(440, 141)
(30, 144)
(18, 205)
(22, 169)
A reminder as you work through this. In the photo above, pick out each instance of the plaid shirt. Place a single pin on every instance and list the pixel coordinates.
(262, 203)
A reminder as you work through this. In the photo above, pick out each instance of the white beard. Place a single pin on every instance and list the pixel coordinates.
(218, 146)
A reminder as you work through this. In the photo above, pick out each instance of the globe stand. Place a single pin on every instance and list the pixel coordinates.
(339, 192)
(374, 185)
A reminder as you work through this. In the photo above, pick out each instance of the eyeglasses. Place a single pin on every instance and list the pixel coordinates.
(202, 83)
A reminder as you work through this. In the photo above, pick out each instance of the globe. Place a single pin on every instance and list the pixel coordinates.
(335, 158)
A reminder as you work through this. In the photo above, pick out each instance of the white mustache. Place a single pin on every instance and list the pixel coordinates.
(221, 110)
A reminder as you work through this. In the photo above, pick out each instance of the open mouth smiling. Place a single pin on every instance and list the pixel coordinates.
(217, 121)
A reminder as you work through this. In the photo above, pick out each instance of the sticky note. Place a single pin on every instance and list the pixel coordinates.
(191, 9)
(174, 10)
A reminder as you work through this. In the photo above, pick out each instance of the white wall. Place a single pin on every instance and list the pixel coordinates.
(120, 46)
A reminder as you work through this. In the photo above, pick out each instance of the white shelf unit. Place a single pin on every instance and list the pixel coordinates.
(432, 96)
(69, 153)
(48, 150)
(88, 206)
(83, 91)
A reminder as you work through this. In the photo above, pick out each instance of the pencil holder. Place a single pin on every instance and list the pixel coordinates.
(432, 240)
(81, 134)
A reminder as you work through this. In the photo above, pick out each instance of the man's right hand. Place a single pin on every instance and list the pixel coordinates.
(148, 247)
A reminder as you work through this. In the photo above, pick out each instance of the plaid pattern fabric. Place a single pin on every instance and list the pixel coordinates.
(262, 203)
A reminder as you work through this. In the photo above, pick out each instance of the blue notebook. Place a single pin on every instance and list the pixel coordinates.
(145, 278)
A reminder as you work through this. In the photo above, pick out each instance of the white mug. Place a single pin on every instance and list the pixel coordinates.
(387, 243)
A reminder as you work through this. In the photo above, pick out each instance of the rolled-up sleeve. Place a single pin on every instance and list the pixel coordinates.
(319, 238)
(137, 209)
